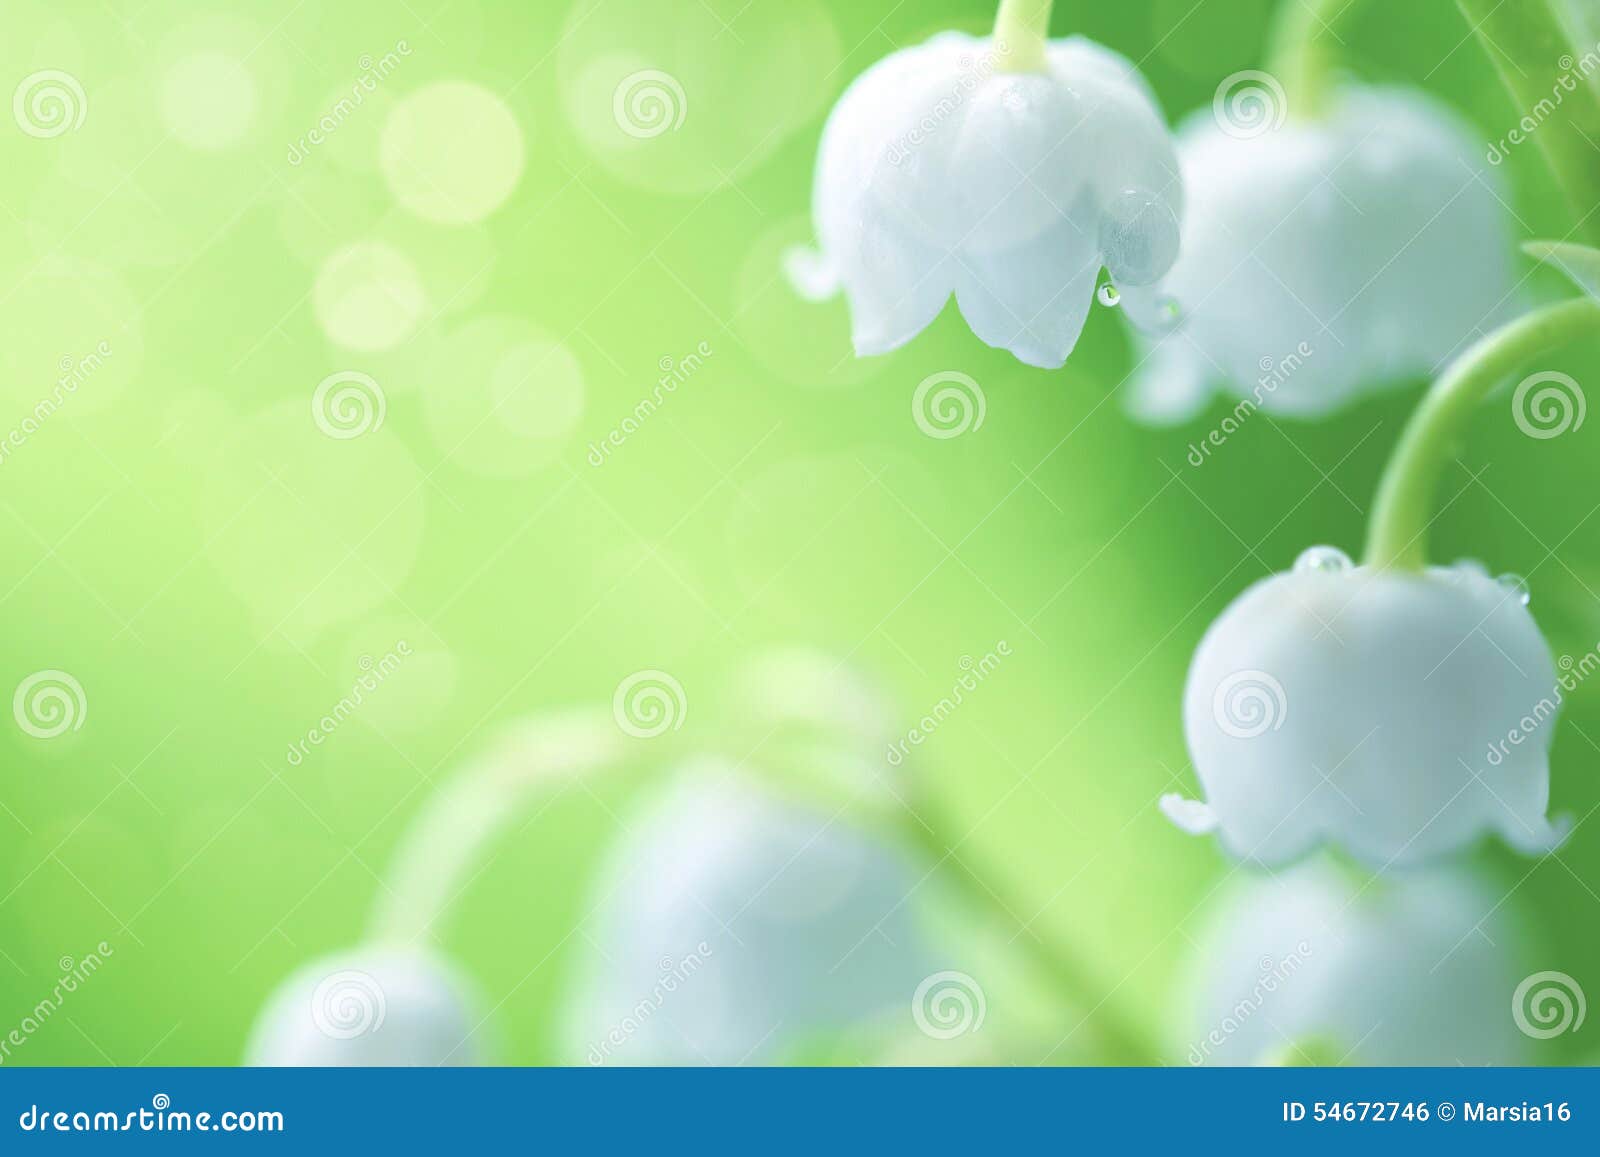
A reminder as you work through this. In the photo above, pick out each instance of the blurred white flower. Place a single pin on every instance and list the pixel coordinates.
(734, 927)
(1324, 257)
(941, 171)
(379, 1005)
(1398, 714)
(1409, 968)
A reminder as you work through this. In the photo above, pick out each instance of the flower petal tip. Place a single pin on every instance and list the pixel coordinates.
(1189, 815)
(1539, 838)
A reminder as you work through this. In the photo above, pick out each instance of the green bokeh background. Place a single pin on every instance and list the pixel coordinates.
(210, 567)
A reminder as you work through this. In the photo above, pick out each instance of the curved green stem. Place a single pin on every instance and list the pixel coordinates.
(456, 826)
(1301, 57)
(1021, 28)
(1123, 1043)
(1543, 51)
(1397, 535)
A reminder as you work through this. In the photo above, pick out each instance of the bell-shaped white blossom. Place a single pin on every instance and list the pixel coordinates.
(941, 173)
(1323, 257)
(381, 1005)
(1397, 714)
(734, 927)
(1414, 967)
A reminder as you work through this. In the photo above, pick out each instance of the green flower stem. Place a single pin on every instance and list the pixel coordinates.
(1535, 51)
(1020, 30)
(1122, 1042)
(1397, 535)
(1301, 57)
(457, 825)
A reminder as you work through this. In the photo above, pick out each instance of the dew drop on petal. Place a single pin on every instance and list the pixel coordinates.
(1517, 586)
(1108, 294)
(1138, 237)
(1322, 560)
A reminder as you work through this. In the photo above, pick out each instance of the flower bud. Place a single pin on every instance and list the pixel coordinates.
(733, 927)
(389, 1006)
(940, 172)
(1399, 715)
(1313, 966)
(1323, 257)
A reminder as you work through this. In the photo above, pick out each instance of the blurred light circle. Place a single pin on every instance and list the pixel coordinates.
(503, 397)
(451, 152)
(208, 100)
(674, 96)
(308, 530)
(368, 296)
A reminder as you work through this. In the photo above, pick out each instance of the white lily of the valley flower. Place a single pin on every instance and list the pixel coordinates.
(942, 170)
(1398, 714)
(1325, 257)
(388, 1006)
(734, 926)
(1411, 968)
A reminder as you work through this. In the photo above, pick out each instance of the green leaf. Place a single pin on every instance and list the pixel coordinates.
(1553, 75)
(1579, 262)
